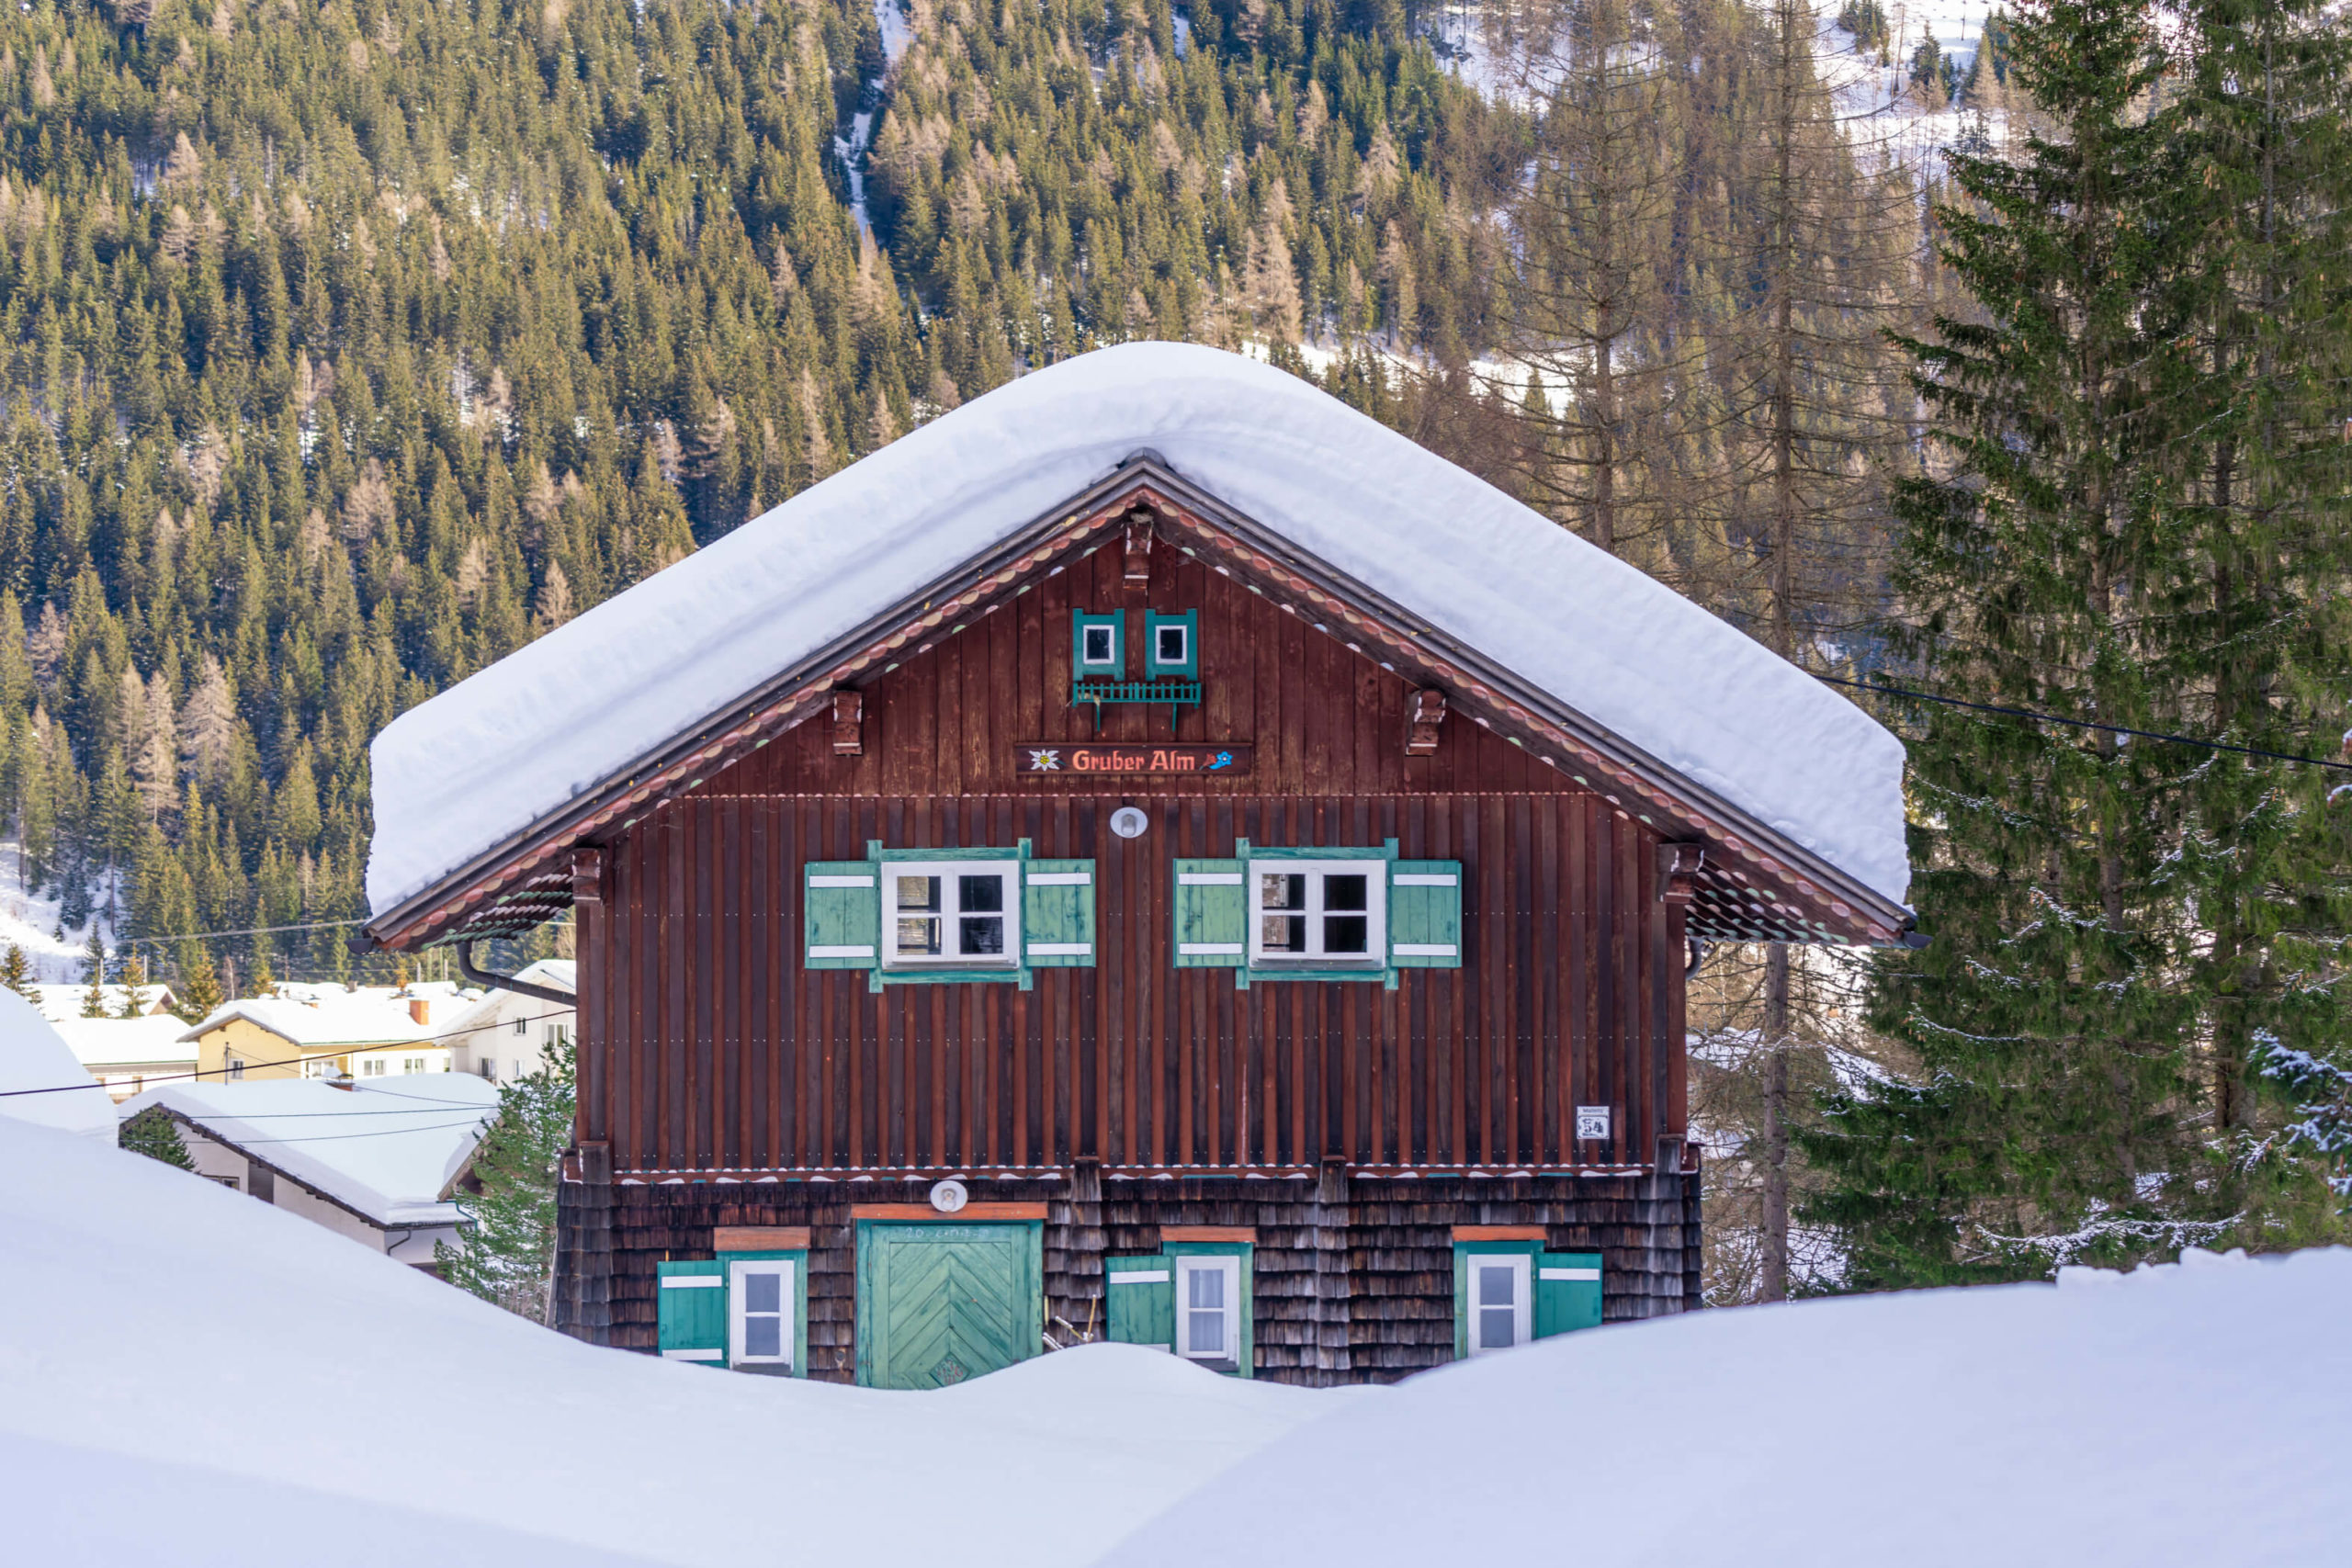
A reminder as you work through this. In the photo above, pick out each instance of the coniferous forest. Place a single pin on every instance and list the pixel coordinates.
(351, 345)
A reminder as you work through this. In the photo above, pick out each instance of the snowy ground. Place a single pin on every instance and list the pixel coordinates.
(189, 1377)
(28, 922)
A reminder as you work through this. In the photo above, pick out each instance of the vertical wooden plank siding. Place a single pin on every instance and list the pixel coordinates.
(706, 1048)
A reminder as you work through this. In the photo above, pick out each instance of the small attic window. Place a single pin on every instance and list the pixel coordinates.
(1102, 647)
(1098, 648)
(1172, 644)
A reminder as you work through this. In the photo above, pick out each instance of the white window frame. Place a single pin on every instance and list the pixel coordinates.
(1007, 869)
(1229, 1265)
(1183, 632)
(1110, 659)
(1375, 912)
(738, 1314)
(1522, 1301)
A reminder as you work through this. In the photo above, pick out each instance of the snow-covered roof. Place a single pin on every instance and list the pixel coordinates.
(319, 1016)
(60, 1002)
(33, 1057)
(484, 761)
(387, 1149)
(104, 1041)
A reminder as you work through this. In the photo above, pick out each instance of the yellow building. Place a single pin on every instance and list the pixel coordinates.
(306, 1030)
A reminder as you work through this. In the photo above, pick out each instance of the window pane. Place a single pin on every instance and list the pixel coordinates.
(1494, 1282)
(1172, 644)
(1347, 934)
(1207, 1288)
(980, 894)
(1280, 890)
(980, 936)
(763, 1292)
(1283, 933)
(1098, 645)
(918, 892)
(1206, 1335)
(1347, 892)
(918, 933)
(1495, 1329)
(764, 1335)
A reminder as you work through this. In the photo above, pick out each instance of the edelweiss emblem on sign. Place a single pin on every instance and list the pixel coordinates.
(1046, 762)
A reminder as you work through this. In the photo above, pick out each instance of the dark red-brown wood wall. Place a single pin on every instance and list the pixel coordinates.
(707, 1046)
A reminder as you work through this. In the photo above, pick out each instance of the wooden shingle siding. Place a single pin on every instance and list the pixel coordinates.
(711, 1048)
(1354, 1277)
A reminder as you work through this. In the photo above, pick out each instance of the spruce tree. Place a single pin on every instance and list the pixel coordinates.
(153, 1133)
(16, 973)
(507, 1254)
(94, 1000)
(2062, 556)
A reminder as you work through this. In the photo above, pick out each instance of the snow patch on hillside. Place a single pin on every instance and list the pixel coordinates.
(29, 921)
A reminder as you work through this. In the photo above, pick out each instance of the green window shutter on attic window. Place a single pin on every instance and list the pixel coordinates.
(1114, 668)
(1568, 1293)
(1139, 1301)
(1425, 914)
(844, 924)
(1057, 914)
(691, 1311)
(1211, 914)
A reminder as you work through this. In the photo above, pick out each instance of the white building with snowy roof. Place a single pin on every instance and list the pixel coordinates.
(378, 1161)
(324, 1031)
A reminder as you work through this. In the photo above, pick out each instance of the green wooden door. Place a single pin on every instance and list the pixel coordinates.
(938, 1303)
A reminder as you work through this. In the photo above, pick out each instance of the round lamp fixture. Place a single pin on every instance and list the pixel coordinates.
(949, 1196)
(1129, 822)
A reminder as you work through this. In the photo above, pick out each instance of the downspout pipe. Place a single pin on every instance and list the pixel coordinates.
(481, 976)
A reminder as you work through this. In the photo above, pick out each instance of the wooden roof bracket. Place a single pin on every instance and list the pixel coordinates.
(849, 723)
(1677, 874)
(1429, 712)
(1136, 574)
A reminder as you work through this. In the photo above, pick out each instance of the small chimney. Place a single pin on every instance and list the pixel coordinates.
(420, 1010)
(342, 1081)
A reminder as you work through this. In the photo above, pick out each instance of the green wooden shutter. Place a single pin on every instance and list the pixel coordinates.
(1425, 914)
(1188, 667)
(1568, 1292)
(1139, 1301)
(691, 1311)
(1211, 914)
(843, 929)
(1057, 914)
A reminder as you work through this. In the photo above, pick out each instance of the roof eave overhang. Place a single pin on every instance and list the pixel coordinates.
(514, 871)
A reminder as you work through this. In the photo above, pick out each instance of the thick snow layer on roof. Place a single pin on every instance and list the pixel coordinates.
(41, 1081)
(298, 1402)
(386, 1147)
(2174, 1417)
(458, 774)
(99, 1041)
(334, 1015)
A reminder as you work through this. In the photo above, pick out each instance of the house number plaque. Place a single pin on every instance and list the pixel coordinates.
(1129, 761)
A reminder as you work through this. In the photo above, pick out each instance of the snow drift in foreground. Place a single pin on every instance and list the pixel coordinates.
(2193, 1415)
(190, 1377)
(456, 775)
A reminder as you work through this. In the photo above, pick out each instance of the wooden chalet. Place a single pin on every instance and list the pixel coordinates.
(1139, 924)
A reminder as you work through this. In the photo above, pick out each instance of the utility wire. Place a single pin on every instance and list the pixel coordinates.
(2086, 724)
(349, 1047)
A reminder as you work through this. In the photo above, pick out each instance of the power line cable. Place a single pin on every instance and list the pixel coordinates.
(2085, 724)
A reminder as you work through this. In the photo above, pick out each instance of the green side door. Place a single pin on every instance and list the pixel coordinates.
(938, 1303)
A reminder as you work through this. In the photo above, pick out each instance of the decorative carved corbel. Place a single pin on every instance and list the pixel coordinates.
(1138, 562)
(1429, 712)
(587, 875)
(1678, 873)
(849, 723)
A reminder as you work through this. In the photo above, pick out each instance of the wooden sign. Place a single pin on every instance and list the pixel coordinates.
(1100, 760)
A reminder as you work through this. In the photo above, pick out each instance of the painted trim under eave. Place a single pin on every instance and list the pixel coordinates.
(788, 698)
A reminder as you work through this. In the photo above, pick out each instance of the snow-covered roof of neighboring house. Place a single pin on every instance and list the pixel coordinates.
(60, 1002)
(40, 1078)
(104, 1041)
(386, 1149)
(459, 776)
(315, 1017)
